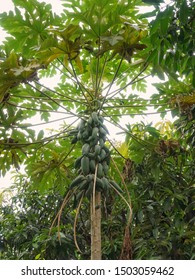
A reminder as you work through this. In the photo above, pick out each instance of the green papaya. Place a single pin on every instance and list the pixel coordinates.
(85, 149)
(89, 190)
(85, 165)
(100, 171)
(92, 165)
(115, 185)
(102, 154)
(77, 181)
(77, 163)
(99, 184)
(101, 119)
(83, 185)
(105, 183)
(97, 150)
(95, 117)
(102, 131)
(105, 168)
(74, 140)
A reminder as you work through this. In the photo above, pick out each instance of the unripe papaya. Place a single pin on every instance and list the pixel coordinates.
(83, 185)
(99, 184)
(100, 171)
(95, 132)
(95, 117)
(77, 163)
(85, 165)
(77, 181)
(103, 132)
(101, 119)
(116, 186)
(74, 140)
(102, 154)
(97, 150)
(85, 149)
(105, 167)
(105, 183)
(89, 190)
(92, 165)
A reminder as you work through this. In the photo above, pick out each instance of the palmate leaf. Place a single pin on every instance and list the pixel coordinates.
(27, 27)
(71, 31)
(91, 17)
(5, 162)
(99, 17)
(112, 40)
(64, 43)
(125, 42)
(53, 166)
(15, 71)
(11, 155)
(36, 18)
(123, 149)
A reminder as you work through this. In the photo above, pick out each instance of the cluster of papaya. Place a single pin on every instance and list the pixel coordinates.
(93, 164)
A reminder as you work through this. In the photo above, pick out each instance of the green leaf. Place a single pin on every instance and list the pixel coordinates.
(153, 131)
(98, 54)
(159, 71)
(155, 233)
(152, 2)
(184, 12)
(37, 257)
(164, 23)
(40, 135)
(140, 216)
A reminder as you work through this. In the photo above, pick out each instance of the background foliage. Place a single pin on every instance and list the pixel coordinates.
(99, 52)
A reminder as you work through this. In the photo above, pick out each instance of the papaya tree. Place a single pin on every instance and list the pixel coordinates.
(99, 52)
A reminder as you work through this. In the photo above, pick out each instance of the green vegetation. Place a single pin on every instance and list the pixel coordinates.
(84, 195)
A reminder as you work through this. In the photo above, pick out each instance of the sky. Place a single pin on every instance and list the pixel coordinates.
(6, 6)
(56, 5)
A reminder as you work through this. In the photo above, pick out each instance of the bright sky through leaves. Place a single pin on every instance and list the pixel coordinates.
(57, 8)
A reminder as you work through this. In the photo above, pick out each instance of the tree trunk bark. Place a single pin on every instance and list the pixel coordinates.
(96, 253)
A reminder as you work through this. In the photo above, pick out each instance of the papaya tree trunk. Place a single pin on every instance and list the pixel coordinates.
(96, 253)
